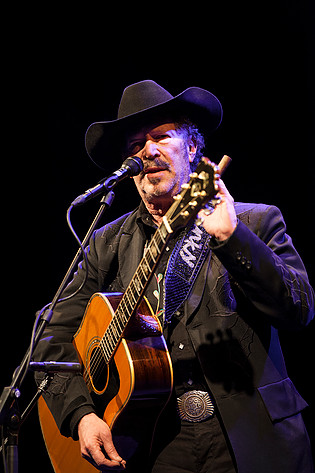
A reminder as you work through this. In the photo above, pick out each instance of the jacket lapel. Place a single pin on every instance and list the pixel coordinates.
(129, 254)
(197, 290)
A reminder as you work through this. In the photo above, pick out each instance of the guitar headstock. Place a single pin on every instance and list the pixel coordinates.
(201, 188)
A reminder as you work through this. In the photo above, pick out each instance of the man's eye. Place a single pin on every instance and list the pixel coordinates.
(135, 147)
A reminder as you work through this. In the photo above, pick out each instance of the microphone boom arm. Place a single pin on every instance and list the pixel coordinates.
(131, 167)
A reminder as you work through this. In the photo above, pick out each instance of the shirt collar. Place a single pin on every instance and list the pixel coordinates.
(145, 221)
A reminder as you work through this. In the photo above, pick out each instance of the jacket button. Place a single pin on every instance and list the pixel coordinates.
(248, 265)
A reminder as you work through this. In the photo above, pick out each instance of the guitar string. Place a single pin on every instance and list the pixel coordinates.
(112, 334)
(98, 358)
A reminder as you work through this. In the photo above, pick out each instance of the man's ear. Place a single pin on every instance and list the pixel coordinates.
(192, 149)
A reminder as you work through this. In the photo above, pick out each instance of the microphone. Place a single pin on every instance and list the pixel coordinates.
(131, 167)
(55, 366)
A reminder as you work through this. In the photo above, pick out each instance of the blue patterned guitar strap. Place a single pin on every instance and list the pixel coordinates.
(183, 267)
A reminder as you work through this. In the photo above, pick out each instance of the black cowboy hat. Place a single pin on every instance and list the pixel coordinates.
(147, 101)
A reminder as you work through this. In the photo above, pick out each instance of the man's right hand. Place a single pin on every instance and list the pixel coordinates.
(95, 439)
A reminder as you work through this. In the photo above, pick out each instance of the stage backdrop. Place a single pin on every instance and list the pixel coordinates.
(63, 71)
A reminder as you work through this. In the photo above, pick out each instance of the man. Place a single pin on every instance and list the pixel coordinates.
(222, 334)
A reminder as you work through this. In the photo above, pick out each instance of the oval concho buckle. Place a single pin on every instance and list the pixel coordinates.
(195, 406)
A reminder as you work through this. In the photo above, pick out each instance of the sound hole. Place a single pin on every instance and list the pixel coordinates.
(98, 369)
(105, 380)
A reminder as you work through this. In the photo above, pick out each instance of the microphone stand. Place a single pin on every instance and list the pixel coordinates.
(10, 418)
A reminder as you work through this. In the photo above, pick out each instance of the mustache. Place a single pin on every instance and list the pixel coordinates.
(156, 163)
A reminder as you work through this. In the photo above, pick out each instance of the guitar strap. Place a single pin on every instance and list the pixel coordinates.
(184, 264)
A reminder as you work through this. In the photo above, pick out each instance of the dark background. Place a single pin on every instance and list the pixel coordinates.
(62, 70)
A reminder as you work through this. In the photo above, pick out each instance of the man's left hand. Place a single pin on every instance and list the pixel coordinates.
(222, 222)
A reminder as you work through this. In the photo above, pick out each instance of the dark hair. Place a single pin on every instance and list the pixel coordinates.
(190, 130)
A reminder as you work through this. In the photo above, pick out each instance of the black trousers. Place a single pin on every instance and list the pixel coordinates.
(197, 448)
(188, 447)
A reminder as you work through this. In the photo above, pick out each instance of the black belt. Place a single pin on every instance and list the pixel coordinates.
(195, 406)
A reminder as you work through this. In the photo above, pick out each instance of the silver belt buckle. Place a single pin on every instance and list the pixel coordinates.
(195, 406)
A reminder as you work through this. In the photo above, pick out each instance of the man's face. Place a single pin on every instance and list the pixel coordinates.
(166, 156)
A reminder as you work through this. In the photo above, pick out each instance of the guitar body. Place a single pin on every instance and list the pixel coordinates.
(129, 392)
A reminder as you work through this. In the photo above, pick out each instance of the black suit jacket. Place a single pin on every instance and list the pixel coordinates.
(248, 287)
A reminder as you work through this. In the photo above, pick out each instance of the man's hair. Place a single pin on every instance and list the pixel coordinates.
(190, 130)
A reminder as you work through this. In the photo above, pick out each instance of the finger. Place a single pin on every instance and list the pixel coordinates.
(223, 191)
(110, 449)
(96, 443)
(97, 458)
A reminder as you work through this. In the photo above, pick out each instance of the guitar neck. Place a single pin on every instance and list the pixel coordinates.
(202, 187)
(136, 289)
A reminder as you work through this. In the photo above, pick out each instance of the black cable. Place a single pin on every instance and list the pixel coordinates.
(84, 257)
(40, 313)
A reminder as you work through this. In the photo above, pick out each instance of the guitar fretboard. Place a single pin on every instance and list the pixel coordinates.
(134, 292)
(199, 190)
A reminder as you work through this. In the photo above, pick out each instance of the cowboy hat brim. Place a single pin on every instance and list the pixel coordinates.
(103, 140)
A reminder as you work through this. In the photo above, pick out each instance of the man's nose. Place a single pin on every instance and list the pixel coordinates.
(150, 150)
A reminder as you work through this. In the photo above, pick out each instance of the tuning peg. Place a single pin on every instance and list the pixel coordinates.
(208, 208)
(216, 201)
(185, 213)
(199, 221)
(208, 212)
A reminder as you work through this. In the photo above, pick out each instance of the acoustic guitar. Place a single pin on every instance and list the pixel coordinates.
(124, 357)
